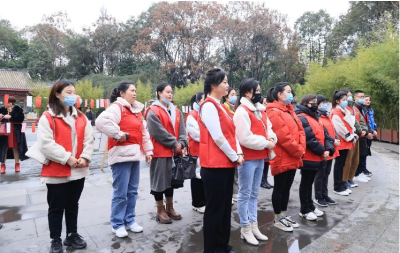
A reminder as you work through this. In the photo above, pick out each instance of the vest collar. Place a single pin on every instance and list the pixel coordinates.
(171, 107)
(136, 107)
(74, 113)
(251, 106)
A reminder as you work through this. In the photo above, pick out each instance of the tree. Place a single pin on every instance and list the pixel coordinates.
(13, 48)
(314, 30)
(85, 89)
(143, 92)
(182, 95)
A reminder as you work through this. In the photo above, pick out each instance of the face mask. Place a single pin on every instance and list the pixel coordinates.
(324, 107)
(349, 98)
(289, 98)
(232, 99)
(361, 101)
(314, 107)
(257, 98)
(69, 100)
(343, 104)
(166, 101)
(196, 106)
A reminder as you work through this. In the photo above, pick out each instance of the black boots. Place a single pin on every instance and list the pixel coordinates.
(264, 180)
(75, 240)
(56, 246)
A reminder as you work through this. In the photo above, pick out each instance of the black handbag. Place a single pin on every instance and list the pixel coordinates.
(185, 167)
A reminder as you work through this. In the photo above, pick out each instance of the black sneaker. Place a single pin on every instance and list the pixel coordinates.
(75, 240)
(330, 201)
(367, 173)
(321, 202)
(56, 246)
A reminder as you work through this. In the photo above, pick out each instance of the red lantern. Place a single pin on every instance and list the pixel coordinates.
(78, 102)
(91, 103)
(38, 101)
(86, 102)
(105, 103)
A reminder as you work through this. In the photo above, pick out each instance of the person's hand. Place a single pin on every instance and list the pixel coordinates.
(149, 158)
(240, 160)
(72, 162)
(178, 148)
(369, 136)
(326, 154)
(271, 145)
(123, 138)
(375, 133)
(303, 155)
(7, 117)
(81, 163)
(337, 142)
(363, 133)
(354, 141)
(185, 151)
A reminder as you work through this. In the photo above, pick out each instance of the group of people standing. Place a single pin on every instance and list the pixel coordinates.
(236, 138)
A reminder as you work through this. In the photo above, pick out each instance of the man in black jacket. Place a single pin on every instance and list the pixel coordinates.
(90, 115)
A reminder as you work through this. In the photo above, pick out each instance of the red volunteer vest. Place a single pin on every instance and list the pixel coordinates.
(355, 113)
(256, 128)
(343, 143)
(318, 130)
(159, 149)
(194, 146)
(211, 156)
(62, 136)
(331, 131)
(132, 124)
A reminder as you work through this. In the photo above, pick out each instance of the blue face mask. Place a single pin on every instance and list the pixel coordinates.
(343, 104)
(69, 100)
(233, 99)
(289, 98)
(166, 101)
(349, 98)
(196, 106)
(361, 101)
(324, 107)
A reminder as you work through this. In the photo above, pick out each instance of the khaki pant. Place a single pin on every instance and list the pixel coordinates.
(350, 168)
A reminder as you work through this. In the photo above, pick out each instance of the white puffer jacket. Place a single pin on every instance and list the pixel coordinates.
(108, 124)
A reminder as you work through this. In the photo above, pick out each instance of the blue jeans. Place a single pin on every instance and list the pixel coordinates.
(125, 185)
(250, 175)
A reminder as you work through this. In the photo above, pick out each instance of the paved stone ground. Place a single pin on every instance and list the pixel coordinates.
(366, 221)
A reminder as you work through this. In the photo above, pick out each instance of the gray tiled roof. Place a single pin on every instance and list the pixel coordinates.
(11, 79)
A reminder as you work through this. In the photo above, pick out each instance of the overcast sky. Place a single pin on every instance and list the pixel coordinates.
(85, 12)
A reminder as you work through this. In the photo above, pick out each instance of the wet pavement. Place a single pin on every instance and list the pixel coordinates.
(366, 221)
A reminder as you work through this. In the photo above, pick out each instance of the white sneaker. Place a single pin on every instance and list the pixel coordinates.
(120, 232)
(360, 179)
(318, 212)
(282, 224)
(309, 216)
(349, 191)
(199, 209)
(365, 177)
(342, 193)
(235, 197)
(134, 227)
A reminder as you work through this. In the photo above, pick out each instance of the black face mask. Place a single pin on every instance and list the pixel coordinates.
(257, 98)
(314, 107)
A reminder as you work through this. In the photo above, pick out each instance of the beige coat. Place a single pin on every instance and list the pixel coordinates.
(107, 123)
(57, 153)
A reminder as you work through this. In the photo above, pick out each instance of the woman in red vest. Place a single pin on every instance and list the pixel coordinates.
(128, 144)
(220, 153)
(321, 178)
(317, 151)
(193, 129)
(256, 138)
(65, 138)
(167, 131)
(289, 151)
(343, 122)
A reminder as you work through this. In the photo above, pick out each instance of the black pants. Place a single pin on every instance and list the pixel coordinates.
(305, 191)
(62, 197)
(340, 161)
(198, 197)
(362, 165)
(158, 196)
(280, 195)
(218, 189)
(321, 180)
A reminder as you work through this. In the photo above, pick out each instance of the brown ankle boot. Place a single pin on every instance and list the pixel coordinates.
(17, 168)
(170, 210)
(162, 216)
(3, 168)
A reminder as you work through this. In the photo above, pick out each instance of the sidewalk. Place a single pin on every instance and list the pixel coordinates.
(366, 221)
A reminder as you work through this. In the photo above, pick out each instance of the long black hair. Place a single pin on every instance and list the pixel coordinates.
(250, 84)
(116, 92)
(213, 76)
(272, 93)
(337, 95)
(307, 98)
(196, 98)
(161, 87)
